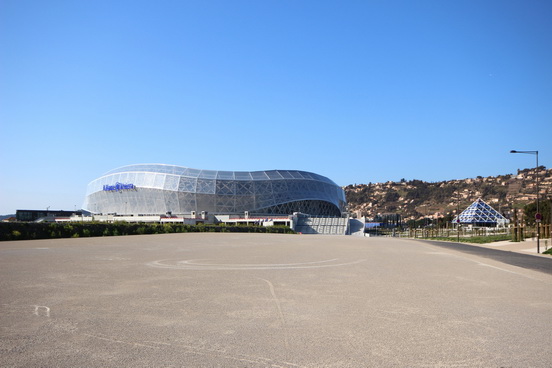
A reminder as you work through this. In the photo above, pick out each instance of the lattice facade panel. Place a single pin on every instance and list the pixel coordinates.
(158, 189)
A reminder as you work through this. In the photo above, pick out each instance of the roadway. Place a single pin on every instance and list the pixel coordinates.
(511, 257)
(268, 300)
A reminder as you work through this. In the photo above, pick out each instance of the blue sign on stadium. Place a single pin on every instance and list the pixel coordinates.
(118, 187)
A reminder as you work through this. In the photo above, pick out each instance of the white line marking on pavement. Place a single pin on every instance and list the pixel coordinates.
(192, 263)
(121, 342)
(476, 262)
(189, 265)
(41, 308)
(505, 270)
(282, 319)
(201, 350)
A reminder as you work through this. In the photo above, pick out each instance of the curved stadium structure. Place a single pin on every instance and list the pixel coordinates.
(156, 189)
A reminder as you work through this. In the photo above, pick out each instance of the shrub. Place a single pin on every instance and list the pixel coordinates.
(31, 230)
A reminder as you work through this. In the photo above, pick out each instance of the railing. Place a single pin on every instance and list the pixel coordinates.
(462, 232)
(517, 233)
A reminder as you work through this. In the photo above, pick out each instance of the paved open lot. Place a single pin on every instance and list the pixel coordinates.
(261, 300)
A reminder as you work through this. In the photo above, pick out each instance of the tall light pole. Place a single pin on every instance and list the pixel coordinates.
(538, 215)
(458, 216)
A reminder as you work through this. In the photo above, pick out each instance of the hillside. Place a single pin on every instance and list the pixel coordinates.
(416, 199)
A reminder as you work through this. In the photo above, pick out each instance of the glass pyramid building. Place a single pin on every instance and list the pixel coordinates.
(480, 213)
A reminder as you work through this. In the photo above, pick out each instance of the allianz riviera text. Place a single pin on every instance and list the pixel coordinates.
(118, 187)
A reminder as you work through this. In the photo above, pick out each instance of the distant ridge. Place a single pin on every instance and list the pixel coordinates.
(416, 199)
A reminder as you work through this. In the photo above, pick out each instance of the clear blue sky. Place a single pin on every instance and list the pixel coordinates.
(359, 91)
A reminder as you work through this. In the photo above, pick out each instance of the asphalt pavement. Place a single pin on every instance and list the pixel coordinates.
(519, 256)
(269, 300)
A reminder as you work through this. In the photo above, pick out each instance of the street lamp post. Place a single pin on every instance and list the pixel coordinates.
(538, 215)
(458, 217)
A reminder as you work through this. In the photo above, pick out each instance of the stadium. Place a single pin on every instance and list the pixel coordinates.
(159, 189)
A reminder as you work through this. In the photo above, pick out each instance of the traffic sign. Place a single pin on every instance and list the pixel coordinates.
(538, 217)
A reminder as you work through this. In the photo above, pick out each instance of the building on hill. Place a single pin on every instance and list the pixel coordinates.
(480, 214)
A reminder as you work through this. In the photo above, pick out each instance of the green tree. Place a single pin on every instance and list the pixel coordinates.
(530, 211)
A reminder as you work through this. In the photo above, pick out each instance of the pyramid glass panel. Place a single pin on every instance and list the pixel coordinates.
(480, 213)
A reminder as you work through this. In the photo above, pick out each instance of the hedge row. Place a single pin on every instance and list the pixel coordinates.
(33, 230)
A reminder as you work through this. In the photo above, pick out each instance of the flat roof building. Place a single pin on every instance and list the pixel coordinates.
(46, 215)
